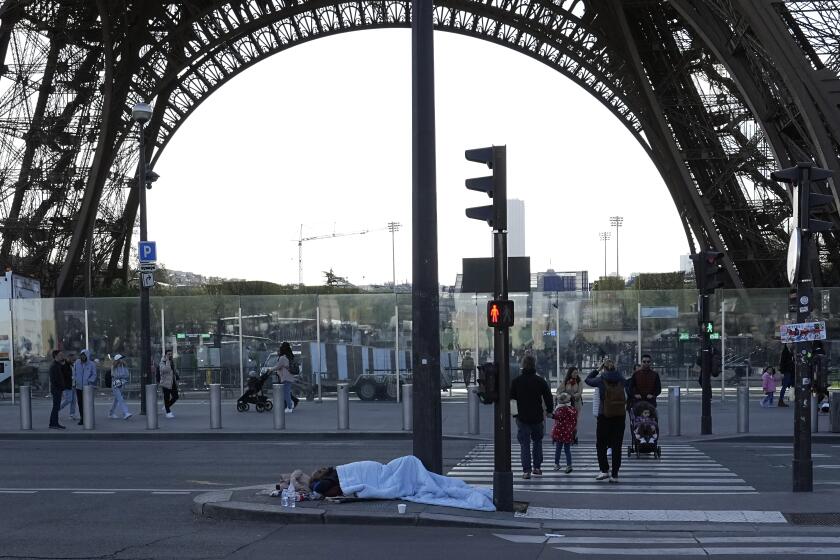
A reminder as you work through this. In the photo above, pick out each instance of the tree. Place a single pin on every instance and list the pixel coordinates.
(660, 281)
(608, 284)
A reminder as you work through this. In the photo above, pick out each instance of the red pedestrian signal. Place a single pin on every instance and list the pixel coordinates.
(500, 313)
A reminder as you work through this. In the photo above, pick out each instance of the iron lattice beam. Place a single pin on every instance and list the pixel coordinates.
(712, 90)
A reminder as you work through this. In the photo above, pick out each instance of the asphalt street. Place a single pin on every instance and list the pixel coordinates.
(131, 500)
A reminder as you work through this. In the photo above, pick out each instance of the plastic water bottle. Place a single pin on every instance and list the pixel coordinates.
(292, 496)
(284, 498)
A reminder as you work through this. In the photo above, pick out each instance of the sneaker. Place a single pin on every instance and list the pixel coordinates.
(568, 469)
(73, 416)
(170, 415)
(127, 416)
(112, 415)
(526, 475)
(556, 467)
(81, 423)
(537, 472)
(289, 410)
(58, 427)
(783, 404)
(614, 479)
(602, 476)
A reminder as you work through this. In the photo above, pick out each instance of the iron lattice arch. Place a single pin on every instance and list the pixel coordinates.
(717, 93)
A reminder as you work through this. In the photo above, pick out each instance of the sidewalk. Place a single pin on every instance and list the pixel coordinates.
(377, 417)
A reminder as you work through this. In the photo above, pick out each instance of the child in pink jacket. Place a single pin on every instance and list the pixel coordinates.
(563, 433)
(768, 385)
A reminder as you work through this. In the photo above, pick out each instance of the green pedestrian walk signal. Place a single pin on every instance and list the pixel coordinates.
(708, 327)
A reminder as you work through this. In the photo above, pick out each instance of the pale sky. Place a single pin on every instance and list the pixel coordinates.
(320, 135)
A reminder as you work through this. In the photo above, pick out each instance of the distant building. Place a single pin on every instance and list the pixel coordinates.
(516, 228)
(553, 281)
(686, 264)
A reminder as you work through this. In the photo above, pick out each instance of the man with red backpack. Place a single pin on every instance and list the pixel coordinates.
(609, 433)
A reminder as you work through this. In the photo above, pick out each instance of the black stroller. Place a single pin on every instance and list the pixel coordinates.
(644, 430)
(253, 395)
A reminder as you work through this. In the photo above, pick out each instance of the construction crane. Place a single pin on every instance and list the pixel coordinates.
(301, 239)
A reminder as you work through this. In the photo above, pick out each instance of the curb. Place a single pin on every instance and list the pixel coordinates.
(219, 435)
(219, 506)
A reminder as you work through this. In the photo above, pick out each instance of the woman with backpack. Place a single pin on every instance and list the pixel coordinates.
(609, 432)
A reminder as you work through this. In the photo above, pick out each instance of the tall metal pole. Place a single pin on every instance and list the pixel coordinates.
(616, 222)
(557, 336)
(145, 329)
(705, 368)
(605, 236)
(393, 227)
(425, 331)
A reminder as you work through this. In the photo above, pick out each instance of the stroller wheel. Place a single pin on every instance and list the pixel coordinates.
(269, 405)
(242, 406)
(260, 407)
(658, 453)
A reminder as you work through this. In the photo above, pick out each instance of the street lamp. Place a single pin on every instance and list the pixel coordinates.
(616, 222)
(141, 113)
(605, 236)
(394, 227)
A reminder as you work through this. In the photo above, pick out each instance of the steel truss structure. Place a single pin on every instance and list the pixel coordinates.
(718, 92)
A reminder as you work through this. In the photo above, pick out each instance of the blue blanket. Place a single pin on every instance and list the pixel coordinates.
(405, 478)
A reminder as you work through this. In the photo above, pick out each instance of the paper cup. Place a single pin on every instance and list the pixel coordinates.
(401, 508)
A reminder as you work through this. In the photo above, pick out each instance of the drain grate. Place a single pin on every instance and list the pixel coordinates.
(820, 519)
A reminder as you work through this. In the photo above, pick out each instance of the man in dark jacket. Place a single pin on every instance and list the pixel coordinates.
(56, 387)
(533, 403)
(787, 367)
(644, 384)
(609, 432)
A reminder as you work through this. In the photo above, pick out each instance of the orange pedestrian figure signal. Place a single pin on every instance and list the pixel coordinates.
(500, 313)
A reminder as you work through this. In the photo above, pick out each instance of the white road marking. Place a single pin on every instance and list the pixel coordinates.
(106, 490)
(644, 515)
(18, 492)
(93, 492)
(785, 552)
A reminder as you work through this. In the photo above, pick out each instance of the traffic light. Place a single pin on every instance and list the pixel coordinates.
(708, 271)
(708, 327)
(804, 177)
(500, 313)
(495, 185)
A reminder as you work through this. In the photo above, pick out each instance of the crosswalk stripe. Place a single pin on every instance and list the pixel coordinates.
(682, 469)
(785, 552)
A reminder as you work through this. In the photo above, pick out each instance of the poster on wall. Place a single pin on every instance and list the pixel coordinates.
(803, 332)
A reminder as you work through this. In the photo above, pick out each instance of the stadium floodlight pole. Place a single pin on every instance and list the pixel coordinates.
(605, 236)
(425, 290)
(394, 227)
(616, 222)
(141, 113)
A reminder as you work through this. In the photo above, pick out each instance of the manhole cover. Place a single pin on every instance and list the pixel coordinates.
(823, 519)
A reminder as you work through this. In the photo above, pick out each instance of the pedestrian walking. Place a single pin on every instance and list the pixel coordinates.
(644, 384)
(84, 374)
(284, 370)
(68, 396)
(533, 404)
(167, 377)
(768, 385)
(468, 367)
(609, 433)
(787, 367)
(56, 387)
(119, 377)
(574, 387)
(563, 432)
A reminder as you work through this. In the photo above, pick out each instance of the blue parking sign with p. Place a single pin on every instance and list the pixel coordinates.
(147, 251)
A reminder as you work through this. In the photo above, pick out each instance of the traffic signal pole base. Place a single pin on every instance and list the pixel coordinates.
(803, 479)
(705, 425)
(503, 490)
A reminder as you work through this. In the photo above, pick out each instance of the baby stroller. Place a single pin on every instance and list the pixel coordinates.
(254, 394)
(644, 430)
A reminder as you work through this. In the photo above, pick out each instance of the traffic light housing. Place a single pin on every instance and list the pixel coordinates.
(708, 271)
(488, 383)
(500, 313)
(495, 185)
(805, 178)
